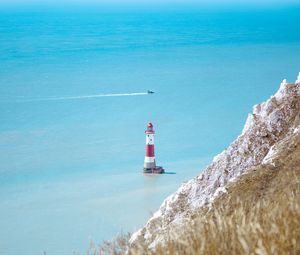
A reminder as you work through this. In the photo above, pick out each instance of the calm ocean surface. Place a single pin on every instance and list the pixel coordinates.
(71, 170)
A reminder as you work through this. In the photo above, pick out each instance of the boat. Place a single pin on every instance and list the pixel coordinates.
(150, 92)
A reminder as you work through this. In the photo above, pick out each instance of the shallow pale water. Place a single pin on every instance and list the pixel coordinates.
(71, 169)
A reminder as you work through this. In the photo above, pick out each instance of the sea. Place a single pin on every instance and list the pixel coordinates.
(72, 139)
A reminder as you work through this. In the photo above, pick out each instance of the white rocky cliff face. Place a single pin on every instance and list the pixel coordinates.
(270, 122)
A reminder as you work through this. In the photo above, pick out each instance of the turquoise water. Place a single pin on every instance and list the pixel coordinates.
(71, 169)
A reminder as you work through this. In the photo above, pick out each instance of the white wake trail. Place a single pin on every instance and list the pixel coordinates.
(83, 97)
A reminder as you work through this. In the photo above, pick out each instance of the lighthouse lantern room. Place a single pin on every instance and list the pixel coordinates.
(149, 163)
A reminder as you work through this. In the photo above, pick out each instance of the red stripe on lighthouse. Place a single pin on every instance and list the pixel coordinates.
(150, 150)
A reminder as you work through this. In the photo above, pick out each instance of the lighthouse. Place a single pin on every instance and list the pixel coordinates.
(149, 163)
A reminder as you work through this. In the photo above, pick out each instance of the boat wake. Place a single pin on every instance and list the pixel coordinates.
(81, 97)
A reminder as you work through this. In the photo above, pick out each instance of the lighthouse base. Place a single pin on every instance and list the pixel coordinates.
(155, 170)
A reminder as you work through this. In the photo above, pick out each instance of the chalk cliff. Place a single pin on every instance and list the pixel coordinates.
(266, 127)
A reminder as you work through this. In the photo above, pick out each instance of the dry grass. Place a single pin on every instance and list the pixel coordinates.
(265, 220)
(260, 214)
(267, 224)
(119, 245)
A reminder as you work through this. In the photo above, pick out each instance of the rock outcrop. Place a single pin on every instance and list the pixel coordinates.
(269, 123)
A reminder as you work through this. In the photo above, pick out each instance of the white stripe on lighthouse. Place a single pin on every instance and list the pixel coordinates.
(149, 159)
(150, 139)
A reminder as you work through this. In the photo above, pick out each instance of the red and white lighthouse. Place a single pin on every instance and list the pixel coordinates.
(149, 163)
